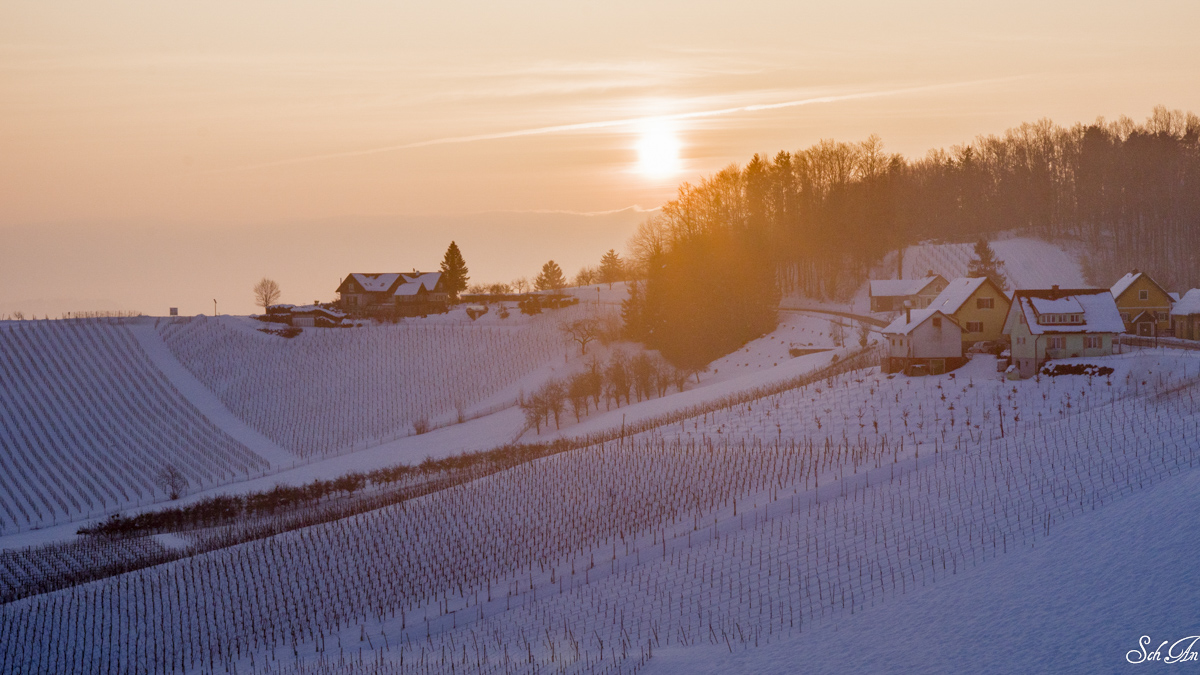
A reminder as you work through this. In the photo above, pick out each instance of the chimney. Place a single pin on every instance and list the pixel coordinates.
(928, 273)
(907, 312)
(1054, 292)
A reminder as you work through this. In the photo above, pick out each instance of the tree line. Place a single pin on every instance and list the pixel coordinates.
(713, 261)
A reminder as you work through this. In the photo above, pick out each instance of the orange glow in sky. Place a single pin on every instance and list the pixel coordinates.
(159, 122)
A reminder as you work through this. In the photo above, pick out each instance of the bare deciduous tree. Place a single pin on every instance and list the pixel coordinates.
(581, 331)
(172, 481)
(266, 293)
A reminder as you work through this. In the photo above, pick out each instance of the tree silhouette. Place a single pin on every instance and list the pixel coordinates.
(551, 278)
(987, 265)
(454, 271)
(612, 269)
(266, 293)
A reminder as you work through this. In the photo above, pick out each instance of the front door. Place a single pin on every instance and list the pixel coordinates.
(1146, 329)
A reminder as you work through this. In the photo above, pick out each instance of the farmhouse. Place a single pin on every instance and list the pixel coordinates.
(923, 341)
(1144, 305)
(976, 304)
(1055, 323)
(889, 295)
(393, 294)
(1185, 316)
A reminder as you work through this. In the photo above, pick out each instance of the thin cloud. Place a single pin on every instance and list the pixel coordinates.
(609, 124)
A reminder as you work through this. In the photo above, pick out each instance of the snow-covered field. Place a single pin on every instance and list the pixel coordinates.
(604, 558)
(809, 529)
(331, 390)
(87, 423)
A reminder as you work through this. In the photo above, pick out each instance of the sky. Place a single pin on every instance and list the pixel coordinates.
(156, 154)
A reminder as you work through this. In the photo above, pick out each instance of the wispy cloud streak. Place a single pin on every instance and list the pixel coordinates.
(609, 124)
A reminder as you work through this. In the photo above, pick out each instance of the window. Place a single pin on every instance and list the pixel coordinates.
(974, 326)
(1056, 343)
(1092, 342)
(985, 303)
(1125, 317)
(937, 322)
(1143, 295)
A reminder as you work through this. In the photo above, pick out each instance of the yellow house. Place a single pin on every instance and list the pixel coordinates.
(1144, 305)
(976, 304)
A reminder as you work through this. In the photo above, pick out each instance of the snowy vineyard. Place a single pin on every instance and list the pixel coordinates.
(331, 390)
(972, 404)
(1028, 263)
(591, 560)
(87, 424)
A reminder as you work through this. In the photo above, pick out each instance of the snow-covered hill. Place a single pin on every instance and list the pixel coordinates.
(1028, 263)
(88, 424)
(605, 558)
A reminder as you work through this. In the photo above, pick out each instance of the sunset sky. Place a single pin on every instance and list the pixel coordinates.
(165, 153)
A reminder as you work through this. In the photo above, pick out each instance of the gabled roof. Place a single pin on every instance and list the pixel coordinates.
(958, 291)
(1188, 305)
(894, 288)
(414, 282)
(1097, 305)
(377, 282)
(1126, 281)
(903, 325)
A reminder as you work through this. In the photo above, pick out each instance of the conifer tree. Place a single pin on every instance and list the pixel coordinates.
(986, 265)
(551, 278)
(454, 271)
(612, 269)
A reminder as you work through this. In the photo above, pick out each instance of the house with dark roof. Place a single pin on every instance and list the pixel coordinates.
(389, 295)
(889, 295)
(976, 304)
(1145, 306)
(1054, 323)
(923, 341)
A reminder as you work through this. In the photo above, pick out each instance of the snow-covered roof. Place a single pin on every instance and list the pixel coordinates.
(1174, 296)
(1066, 305)
(899, 287)
(1096, 305)
(375, 283)
(1189, 304)
(413, 283)
(908, 322)
(313, 309)
(1124, 283)
(951, 299)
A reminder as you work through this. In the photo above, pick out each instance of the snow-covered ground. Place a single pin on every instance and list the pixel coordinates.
(612, 556)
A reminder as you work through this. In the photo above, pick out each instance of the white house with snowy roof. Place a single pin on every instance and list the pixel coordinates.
(1054, 323)
(923, 341)
(889, 295)
(393, 294)
(1185, 316)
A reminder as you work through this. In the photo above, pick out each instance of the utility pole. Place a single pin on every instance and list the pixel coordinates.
(214, 306)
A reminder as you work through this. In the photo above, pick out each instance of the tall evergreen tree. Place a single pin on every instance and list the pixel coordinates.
(551, 278)
(987, 265)
(454, 271)
(612, 268)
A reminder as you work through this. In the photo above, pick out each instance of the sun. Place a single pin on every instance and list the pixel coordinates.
(658, 150)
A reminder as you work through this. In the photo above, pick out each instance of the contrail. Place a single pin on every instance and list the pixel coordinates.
(606, 124)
